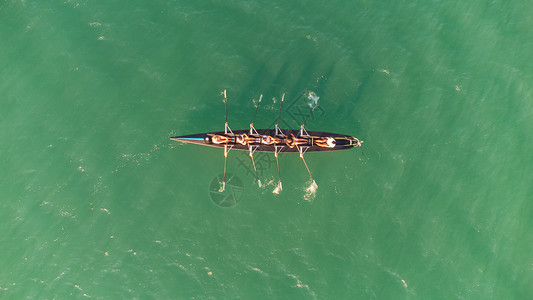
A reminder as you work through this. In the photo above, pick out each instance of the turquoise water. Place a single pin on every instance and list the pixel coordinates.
(98, 202)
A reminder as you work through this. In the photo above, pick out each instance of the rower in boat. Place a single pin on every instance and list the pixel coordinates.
(269, 140)
(325, 142)
(244, 139)
(294, 141)
(220, 139)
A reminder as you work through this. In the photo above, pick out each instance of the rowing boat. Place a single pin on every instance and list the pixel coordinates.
(271, 140)
(266, 140)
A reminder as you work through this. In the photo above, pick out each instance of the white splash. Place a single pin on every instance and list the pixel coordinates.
(271, 182)
(278, 189)
(310, 191)
(313, 99)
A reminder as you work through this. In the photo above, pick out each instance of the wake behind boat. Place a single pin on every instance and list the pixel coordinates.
(271, 140)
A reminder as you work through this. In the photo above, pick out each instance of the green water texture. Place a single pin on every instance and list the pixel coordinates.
(96, 201)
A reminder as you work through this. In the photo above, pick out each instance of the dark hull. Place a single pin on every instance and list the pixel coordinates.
(204, 139)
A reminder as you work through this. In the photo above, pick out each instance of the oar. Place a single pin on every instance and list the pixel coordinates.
(253, 163)
(252, 128)
(279, 115)
(302, 128)
(278, 131)
(226, 127)
(223, 187)
(257, 107)
(314, 106)
(277, 163)
(226, 111)
(303, 159)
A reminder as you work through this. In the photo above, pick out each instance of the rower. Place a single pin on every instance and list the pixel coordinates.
(220, 139)
(294, 141)
(326, 142)
(268, 140)
(242, 139)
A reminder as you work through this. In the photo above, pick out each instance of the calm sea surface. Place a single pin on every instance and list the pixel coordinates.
(97, 202)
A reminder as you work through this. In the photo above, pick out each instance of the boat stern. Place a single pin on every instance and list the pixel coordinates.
(355, 142)
(346, 142)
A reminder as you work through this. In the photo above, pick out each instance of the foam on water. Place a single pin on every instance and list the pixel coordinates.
(313, 99)
(310, 190)
(277, 189)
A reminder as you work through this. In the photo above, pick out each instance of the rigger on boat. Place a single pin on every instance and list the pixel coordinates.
(271, 140)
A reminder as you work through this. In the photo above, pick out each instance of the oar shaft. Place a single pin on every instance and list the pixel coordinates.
(280, 107)
(253, 163)
(256, 108)
(226, 106)
(305, 163)
(277, 163)
(305, 121)
(223, 187)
